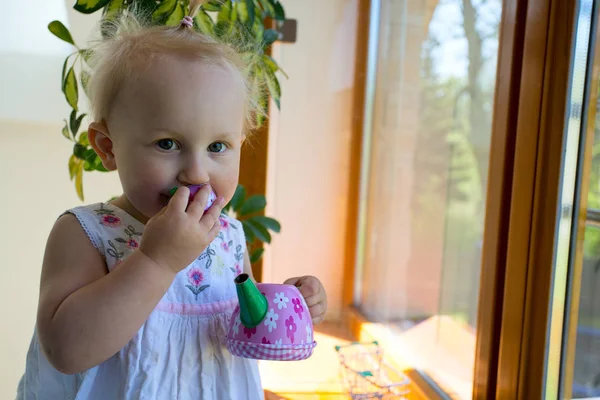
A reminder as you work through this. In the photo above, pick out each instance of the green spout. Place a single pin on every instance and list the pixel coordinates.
(253, 304)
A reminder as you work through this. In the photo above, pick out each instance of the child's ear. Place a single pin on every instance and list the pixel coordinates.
(102, 144)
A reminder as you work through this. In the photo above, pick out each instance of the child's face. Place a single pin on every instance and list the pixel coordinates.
(180, 124)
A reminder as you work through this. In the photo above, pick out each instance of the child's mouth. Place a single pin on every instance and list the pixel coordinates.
(194, 189)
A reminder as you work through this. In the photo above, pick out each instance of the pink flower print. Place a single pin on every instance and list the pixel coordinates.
(298, 308)
(265, 340)
(195, 276)
(225, 246)
(110, 220)
(224, 223)
(132, 244)
(290, 328)
(249, 332)
(238, 270)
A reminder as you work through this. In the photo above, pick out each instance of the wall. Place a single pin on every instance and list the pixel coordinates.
(307, 168)
(310, 145)
(34, 178)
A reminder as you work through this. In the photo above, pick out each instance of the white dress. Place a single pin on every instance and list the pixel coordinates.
(179, 353)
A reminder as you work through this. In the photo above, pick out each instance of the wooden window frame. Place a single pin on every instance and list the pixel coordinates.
(536, 39)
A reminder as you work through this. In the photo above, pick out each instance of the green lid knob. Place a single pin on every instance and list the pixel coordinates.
(253, 304)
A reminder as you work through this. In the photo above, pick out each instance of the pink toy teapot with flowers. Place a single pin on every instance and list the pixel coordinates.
(271, 322)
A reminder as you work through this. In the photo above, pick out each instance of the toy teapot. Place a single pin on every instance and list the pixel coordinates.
(271, 322)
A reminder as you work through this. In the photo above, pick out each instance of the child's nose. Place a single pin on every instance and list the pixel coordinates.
(194, 173)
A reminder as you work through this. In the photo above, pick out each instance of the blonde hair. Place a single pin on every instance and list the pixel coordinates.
(129, 45)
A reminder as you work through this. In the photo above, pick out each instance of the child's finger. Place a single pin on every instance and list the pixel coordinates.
(312, 300)
(179, 200)
(197, 206)
(214, 231)
(211, 217)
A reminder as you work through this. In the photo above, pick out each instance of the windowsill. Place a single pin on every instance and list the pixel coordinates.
(448, 359)
(318, 376)
(414, 350)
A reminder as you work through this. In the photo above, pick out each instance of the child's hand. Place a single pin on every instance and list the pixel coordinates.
(314, 294)
(179, 233)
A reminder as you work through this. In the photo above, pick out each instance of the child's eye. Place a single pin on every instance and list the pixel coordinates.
(167, 144)
(217, 147)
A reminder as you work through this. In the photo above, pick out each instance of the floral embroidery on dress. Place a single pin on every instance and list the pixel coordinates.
(226, 245)
(224, 223)
(220, 267)
(107, 217)
(239, 254)
(208, 254)
(195, 278)
(237, 270)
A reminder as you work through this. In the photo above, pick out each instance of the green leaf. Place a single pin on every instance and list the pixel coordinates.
(205, 22)
(274, 88)
(253, 204)
(256, 255)
(251, 12)
(263, 105)
(87, 55)
(270, 36)
(89, 6)
(76, 122)
(258, 28)
(238, 198)
(166, 8)
(176, 16)
(249, 232)
(83, 139)
(73, 165)
(224, 12)
(279, 13)
(70, 89)
(223, 28)
(246, 12)
(79, 180)
(242, 10)
(64, 71)
(79, 151)
(260, 232)
(85, 82)
(60, 31)
(267, 222)
(267, 7)
(113, 9)
(273, 66)
(65, 130)
(213, 6)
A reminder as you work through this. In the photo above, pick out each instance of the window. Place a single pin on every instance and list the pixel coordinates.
(420, 253)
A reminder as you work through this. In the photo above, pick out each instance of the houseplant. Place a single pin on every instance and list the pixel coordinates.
(239, 21)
